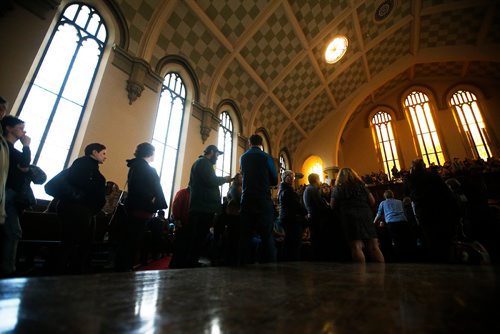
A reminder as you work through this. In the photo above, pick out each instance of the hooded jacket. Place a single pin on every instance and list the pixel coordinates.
(144, 188)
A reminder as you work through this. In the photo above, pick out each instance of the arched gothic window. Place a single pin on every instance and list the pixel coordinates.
(58, 93)
(425, 129)
(284, 162)
(465, 104)
(225, 143)
(382, 125)
(167, 132)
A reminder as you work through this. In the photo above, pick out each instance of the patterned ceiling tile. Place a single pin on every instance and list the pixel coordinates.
(432, 3)
(185, 35)
(389, 50)
(232, 17)
(137, 13)
(459, 27)
(291, 139)
(272, 47)
(348, 81)
(397, 81)
(441, 69)
(370, 28)
(236, 85)
(493, 35)
(313, 15)
(345, 28)
(298, 84)
(315, 112)
(270, 117)
(484, 69)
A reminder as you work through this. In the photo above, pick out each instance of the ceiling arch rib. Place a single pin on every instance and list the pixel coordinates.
(263, 29)
(312, 59)
(154, 28)
(235, 48)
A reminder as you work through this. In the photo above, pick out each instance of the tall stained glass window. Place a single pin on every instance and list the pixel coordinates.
(465, 104)
(58, 92)
(425, 129)
(225, 144)
(382, 126)
(167, 132)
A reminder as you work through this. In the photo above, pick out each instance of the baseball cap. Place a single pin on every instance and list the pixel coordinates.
(212, 148)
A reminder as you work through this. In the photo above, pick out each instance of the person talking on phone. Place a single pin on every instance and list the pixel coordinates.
(19, 163)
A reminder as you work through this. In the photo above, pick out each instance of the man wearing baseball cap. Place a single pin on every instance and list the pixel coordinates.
(205, 202)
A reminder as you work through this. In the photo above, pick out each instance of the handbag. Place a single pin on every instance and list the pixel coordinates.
(25, 199)
(37, 175)
(59, 187)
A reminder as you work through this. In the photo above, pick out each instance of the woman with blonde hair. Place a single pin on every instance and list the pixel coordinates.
(354, 203)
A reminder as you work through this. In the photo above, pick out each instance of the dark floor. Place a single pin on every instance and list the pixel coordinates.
(284, 298)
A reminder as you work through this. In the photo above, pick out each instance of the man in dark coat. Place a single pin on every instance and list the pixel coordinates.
(77, 212)
(205, 202)
(257, 207)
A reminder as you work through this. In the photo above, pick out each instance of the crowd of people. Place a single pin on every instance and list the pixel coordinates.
(317, 221)
(447, 170)
(79, 195)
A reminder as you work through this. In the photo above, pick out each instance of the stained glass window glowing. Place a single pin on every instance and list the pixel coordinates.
(465, 104)
(386, 144)
(425, 129)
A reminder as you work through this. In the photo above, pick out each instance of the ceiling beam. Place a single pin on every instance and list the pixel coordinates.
(305, 44)
(154, 28)
(361, 41)
(238, 46)
(209, 24)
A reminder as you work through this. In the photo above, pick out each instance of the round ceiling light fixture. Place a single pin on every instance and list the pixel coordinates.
(384, 9)
(336, 49)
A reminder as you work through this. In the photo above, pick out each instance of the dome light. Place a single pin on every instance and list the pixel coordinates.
(336, 49)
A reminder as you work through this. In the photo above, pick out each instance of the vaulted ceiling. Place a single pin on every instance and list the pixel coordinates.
(267, 56)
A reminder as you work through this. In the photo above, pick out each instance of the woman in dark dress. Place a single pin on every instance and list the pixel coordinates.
(145, 197)
(354, 201)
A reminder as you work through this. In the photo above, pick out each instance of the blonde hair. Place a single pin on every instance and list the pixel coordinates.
(287, 173)
(347, 176)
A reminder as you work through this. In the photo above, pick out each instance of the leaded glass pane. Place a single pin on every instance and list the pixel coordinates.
(55, 102)
(385, 140)
(167, 132)
(225, 144)
(425, 128)
(467, 108)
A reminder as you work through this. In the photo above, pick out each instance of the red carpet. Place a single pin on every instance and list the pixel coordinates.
(157, 265)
